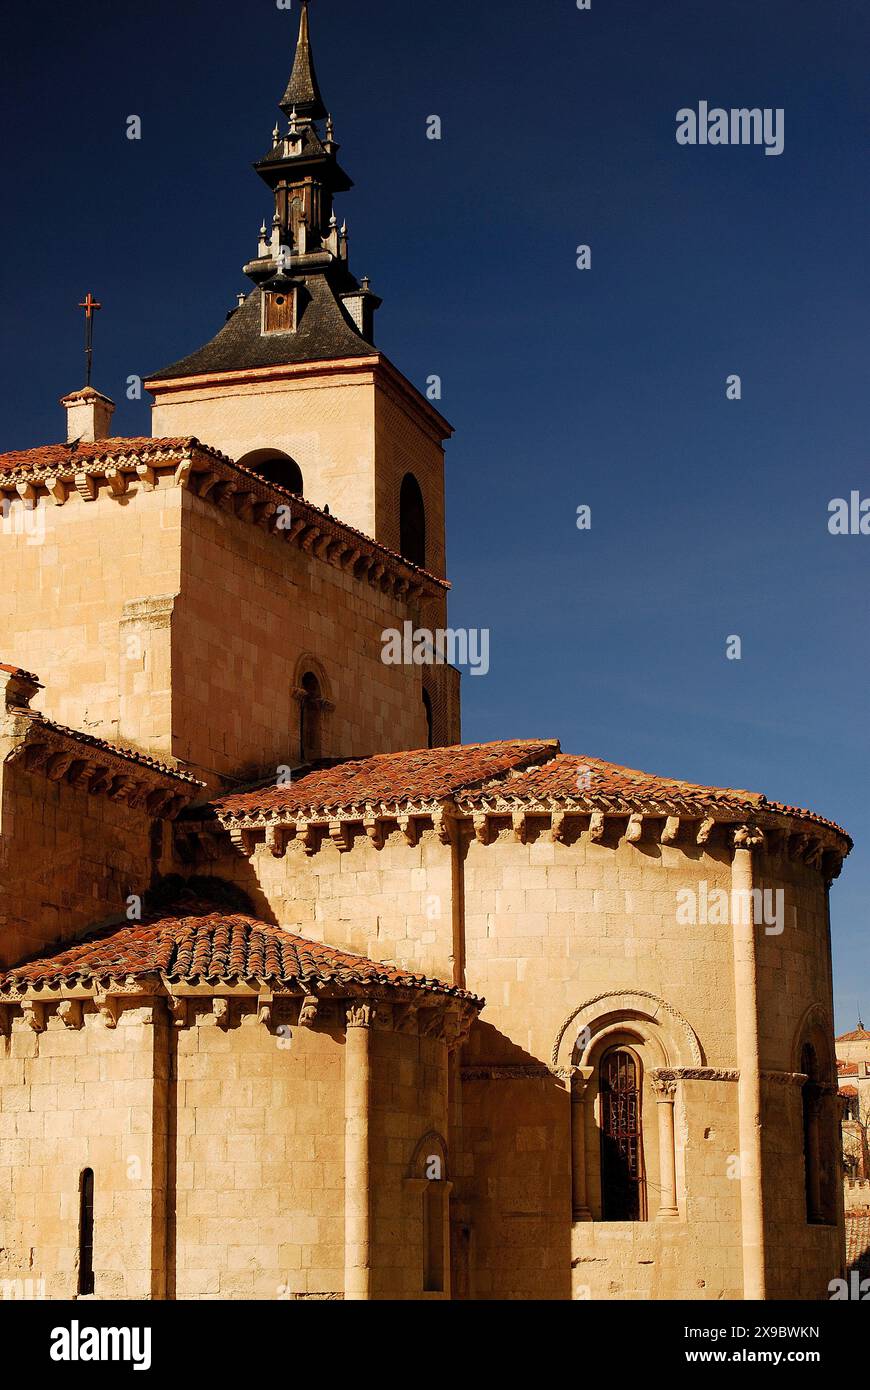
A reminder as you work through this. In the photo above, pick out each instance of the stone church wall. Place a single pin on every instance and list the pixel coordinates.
(76, 1098)
(68, 860)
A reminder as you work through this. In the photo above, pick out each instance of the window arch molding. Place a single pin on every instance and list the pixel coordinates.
(657, 1021)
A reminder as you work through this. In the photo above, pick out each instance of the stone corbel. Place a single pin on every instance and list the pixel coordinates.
(184, 472)
(56, 491)
(444, 824)
(671, 830)
(107, 1008)
(147, 476)
(86, 487)
(26, 491)
(596, 827)
(306, 834)
(241, 840)
(409, 828)
(265, 1002)
(178, 1010)
(117, 482)
(33, 1015)
(558, 827)
(634, 830)
(519, 822)
(341, 836)
(482, 827)
(220, 1008)
(374, 828)
(308, 1011)
(69, 1011)
(705, 830)
(276, 841)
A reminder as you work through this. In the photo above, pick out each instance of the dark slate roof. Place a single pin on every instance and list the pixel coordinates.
(303, 91)
(324, 332)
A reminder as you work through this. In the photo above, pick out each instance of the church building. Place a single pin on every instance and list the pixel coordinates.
(300, 996)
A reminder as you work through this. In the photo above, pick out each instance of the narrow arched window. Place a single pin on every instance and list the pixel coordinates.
(310, 718)
(412, 522)
(427, 710)
(86, 1232)
(622, 1181)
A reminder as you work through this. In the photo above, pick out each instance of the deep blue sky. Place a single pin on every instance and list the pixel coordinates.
(604, 387)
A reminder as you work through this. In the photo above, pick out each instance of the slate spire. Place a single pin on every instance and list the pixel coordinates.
(303, 93)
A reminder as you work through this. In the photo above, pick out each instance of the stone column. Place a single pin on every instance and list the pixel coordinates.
(357, 1190)
(665, 1088)
(749, 1062)
(580, 1077)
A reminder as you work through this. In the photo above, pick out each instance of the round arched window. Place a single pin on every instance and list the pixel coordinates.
(274, 467)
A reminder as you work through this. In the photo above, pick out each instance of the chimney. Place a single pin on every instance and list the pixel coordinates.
(88, 415)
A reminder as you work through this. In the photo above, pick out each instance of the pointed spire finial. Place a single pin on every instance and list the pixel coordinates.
(303, 91)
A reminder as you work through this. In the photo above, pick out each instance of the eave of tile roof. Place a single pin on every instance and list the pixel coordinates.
(847, 1068)
(389, 779)
(21, 674)
(39, 724)
(856, 1035)
(531, 775)
(192, 462)
(215, 947)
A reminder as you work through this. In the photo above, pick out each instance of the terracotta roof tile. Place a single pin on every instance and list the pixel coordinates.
(213, 946)
(848, 1090)
(428, 774)
(51, 456)
(847, 1068)
(858, 1240)
(856, 1035)
(17, 671)
(517, 773)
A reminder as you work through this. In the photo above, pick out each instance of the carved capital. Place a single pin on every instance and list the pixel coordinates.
(361, 1013)
(665, 1087)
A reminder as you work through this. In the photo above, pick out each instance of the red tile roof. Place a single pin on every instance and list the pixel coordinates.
(858, 1240)
(856, 1035)
(49, 456)
(848, 1090)
(506, 774)
(847, 1068)
(215, 946)
(17, 671)
(429, 774)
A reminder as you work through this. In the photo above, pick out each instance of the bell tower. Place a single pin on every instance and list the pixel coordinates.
(293, 385)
